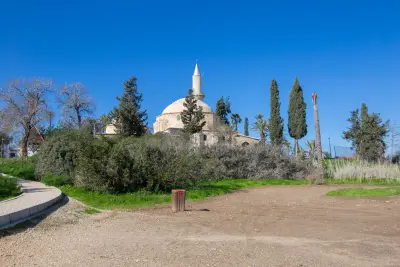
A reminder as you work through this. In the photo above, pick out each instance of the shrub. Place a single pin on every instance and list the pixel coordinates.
(64, 151)
(8, 188)
(23, 168)
(256, 162)
(152, 163)
(156, 163)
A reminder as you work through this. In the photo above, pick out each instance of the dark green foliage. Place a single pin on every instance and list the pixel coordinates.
(8, 188)
(192, 115)
(23, 168)
(297, 124)
(367, 134)
(246, 126)
(155, 163)
(275, 124)
(364, 113)
(63, 152)
(373, 133)
(353, 133)
(128, 117)
(235, 120)
(223, 109)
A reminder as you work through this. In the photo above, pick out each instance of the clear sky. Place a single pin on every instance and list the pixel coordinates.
(346, 51)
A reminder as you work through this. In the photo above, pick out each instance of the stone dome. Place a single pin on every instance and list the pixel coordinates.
(177, 107)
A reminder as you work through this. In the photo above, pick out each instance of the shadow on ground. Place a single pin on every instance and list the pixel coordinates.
(23, 226)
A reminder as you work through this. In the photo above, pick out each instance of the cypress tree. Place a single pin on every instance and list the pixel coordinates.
(192, 115)
(275, 120)
(246, 126)
(223, 109)
(364, 113)
(297, 124)
(128, 119)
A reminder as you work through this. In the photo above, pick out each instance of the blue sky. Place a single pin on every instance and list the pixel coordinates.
(346, 51)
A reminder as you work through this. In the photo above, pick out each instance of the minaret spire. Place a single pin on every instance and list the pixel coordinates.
(198, 94)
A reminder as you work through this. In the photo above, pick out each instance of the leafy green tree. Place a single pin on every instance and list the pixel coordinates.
(128, 118)
(353, 133)
(367, 134)
(192, 115)
(235, 120)
(223, 109)
(373, 134)
(297, 124)
(246, 126)
(261, 126)
(275, 120)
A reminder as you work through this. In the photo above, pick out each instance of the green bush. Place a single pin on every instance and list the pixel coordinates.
(156, 163)
(55, 180)
(23, 168)
(64, 151)
(8, 188)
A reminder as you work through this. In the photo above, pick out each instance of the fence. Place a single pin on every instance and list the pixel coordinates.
(343, 152)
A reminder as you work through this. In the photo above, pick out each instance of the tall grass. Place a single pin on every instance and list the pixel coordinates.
(361, 170)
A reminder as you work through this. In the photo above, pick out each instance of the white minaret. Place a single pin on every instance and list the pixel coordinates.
(198, 94)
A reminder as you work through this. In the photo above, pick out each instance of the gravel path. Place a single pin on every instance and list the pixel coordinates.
(270, 226)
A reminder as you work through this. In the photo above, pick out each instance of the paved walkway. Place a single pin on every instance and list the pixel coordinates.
(36, 197)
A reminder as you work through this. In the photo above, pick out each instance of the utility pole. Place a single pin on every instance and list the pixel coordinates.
(330, 148)
(393, 139)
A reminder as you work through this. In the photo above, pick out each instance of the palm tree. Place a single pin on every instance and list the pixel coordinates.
(235, 120)
(310, 144)
(317, 130)
(261, 126)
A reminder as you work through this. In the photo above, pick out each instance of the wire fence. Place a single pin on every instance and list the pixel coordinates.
(343, 152)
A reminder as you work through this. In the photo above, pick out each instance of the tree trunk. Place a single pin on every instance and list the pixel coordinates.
(317, 131)
(79, 118)
(296, 147)
(24, 146)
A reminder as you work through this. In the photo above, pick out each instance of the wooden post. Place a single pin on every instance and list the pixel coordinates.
(178, 200)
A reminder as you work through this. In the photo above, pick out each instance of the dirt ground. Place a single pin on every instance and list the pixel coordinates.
(270, 226)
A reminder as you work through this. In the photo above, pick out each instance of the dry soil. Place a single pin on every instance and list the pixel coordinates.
(269, 226)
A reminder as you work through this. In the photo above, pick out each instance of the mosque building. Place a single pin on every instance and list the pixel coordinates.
(169, 121)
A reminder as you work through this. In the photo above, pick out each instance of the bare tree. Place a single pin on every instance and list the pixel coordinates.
(76, 104)
(25, 106)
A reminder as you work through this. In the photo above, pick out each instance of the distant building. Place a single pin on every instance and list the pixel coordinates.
(169, 121)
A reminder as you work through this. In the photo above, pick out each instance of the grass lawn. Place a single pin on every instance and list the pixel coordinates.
(366, 192)
(143, 199)
(374, 181)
